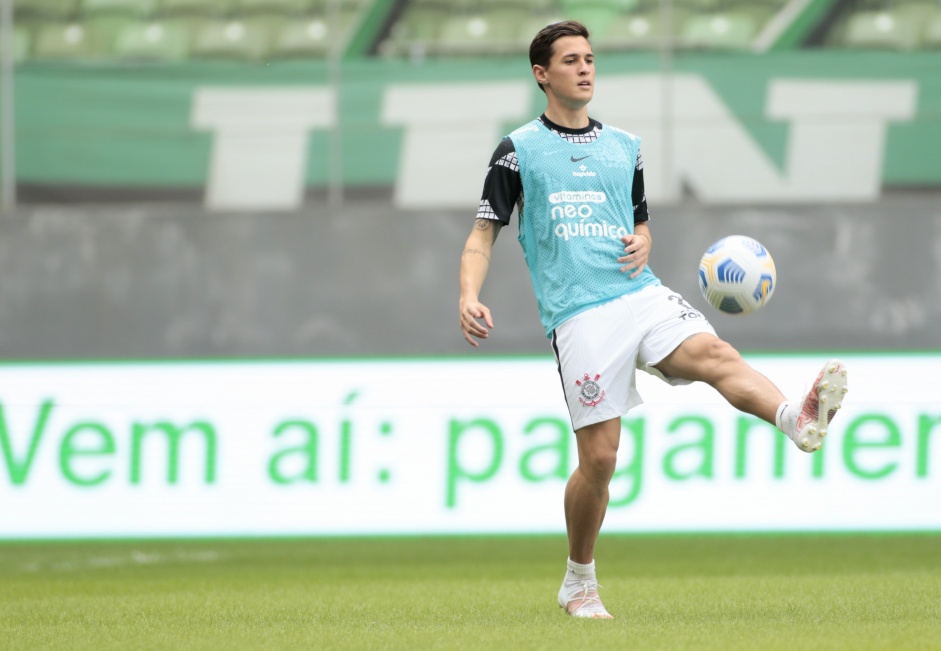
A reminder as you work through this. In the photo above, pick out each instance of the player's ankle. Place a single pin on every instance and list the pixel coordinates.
(785, 418)
(579, 571)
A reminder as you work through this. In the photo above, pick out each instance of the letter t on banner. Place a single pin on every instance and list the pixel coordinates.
(450, 134)
(259, 153)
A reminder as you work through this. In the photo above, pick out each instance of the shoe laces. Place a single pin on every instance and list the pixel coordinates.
(810, 407)
(588, 598)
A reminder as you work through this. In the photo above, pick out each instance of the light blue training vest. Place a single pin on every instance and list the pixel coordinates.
(577, 206)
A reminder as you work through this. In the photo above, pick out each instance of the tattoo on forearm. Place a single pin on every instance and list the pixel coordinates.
(478, 252)
(491, 225)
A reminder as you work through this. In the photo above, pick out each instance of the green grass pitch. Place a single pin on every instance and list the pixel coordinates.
(702, 592)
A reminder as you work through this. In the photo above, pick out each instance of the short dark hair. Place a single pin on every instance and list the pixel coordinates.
(540, 50)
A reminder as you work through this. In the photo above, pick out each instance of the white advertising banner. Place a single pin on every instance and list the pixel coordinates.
(443, 446)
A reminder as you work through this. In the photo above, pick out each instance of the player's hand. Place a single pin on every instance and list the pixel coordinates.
(475, 321)
(636, 251)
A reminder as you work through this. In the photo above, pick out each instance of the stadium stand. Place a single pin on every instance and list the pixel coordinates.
(237, 39)
(318, 30)
(204, 8)
(415, 29)
(63, 41)
(128, 8)
(878, 29)
(252, 30)
(644, 30)
(493, 32)
(884, 25)
(268, 7)
(698, 5)
(22, 41)
(428, 27)
(104, 31)
(719, 30)
(533, 23)
(597, 14)
(734, 28)
(900, 25)
(45, 9)
(179, 30)
(156, 41)
(932, 38)
(301, 39)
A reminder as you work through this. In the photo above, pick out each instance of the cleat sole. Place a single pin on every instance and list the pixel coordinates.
(832, 380)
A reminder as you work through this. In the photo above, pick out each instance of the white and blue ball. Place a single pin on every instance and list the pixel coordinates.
(736, 275)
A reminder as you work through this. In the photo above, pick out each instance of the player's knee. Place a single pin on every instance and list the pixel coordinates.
(719, 360)
(719, 352)
(598, 462)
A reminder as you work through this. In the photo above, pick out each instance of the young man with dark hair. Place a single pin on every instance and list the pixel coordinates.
(583, 225)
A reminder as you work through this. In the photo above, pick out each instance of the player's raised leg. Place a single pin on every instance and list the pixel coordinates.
(707, 358)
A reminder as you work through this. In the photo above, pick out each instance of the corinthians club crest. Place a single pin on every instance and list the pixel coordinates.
(591, 393)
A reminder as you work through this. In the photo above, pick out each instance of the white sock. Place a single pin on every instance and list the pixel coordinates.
(786, 418)
(578, 572)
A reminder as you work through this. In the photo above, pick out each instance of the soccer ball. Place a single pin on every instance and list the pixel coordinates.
(736, 275)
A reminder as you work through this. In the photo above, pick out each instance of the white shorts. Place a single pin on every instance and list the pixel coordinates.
(598, 350)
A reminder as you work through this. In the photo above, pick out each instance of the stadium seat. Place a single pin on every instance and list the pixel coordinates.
(452, 7)
(309, 38)
(286, 7)
(488, 33)
(614, 5)
(932, 37)
(531, 6)
(189, 25)
(22, 40)
(129, 8)
(596, 16)
(336, 29)
(414, 31)
(269, 22)
(772, 5)
(232, 39)
(698, 5)
(152, 41)
(421, 5)
(103, 32)
(531, 25)
(872, 5)
(719, 30)
(208, 8)
(62, 42)
(919, 13)
(641, 30)
(423, 23)
(881, 30)
(54, 9)
(761, 13)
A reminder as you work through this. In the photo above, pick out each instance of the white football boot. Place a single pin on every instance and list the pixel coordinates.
(581, 599)
(820, 406)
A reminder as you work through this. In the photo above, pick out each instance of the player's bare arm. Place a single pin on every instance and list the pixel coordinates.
(476, 321)
(636, 249)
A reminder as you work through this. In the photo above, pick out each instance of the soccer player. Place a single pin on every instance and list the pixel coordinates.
(583, 225)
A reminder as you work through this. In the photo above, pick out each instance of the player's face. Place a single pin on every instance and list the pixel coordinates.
(570, 76)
